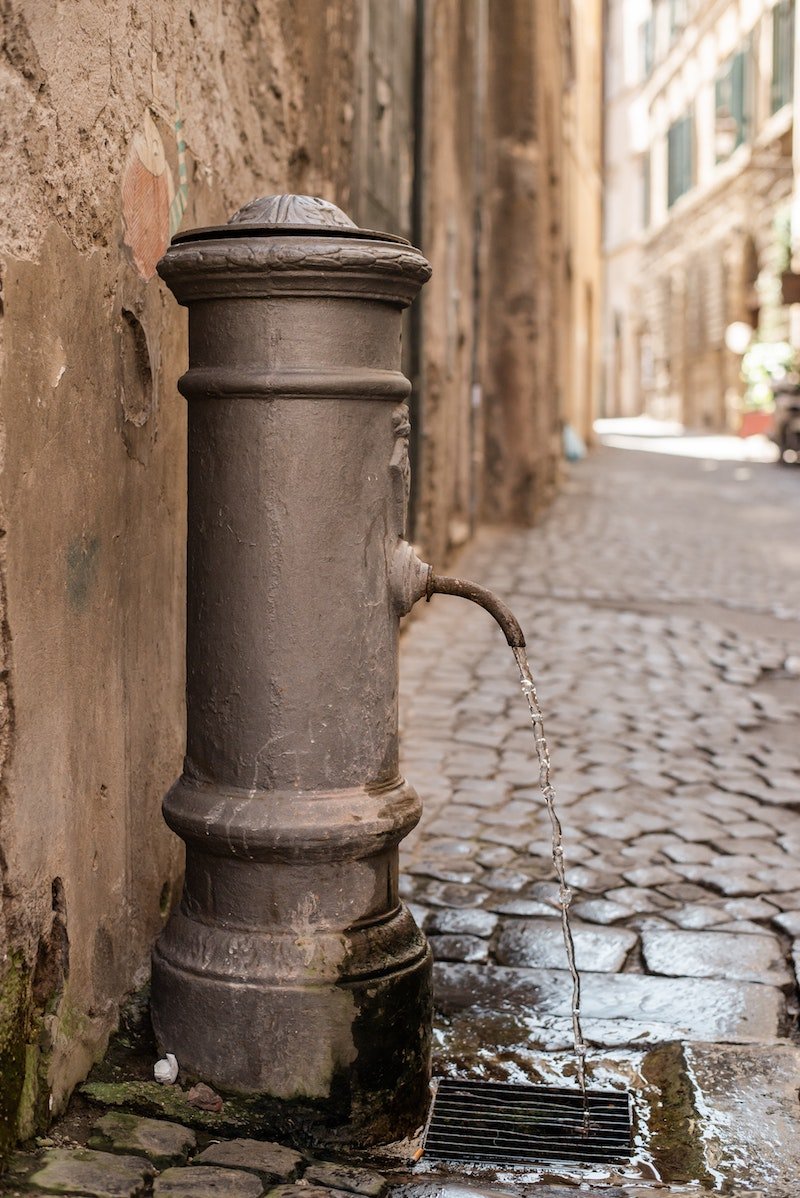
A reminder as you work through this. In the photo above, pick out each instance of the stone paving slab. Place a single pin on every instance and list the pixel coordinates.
(468, 1187)
(272, 1163)
(300, 1190)
(206, 1181)
(346, 1178)
(540, 944)
(788, 921)
(458, 948)
(521, 907)
(602, 911)
(755, 958)
(695, 916)
(160, 1142)
(751, 1115)
(617, 1008)
(449, 1188)
(92, 1174)
(460, 923)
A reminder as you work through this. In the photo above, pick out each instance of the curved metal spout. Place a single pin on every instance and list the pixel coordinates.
(476, 594)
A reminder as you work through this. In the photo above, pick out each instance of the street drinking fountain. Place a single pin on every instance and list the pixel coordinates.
(290, 969)
(290, 972)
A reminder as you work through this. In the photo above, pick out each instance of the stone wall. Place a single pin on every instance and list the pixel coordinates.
(131, 120)
(451, 188)
(524, 258)
(93, 483)
(683, 263)
(716, 261)
(501, 225)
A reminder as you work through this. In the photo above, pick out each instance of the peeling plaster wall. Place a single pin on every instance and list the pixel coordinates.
(499, 335)
(92, 489)
(449, 459)
(527, 247)
(132, 118)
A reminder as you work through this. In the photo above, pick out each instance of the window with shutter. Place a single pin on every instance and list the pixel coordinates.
(680, 158)
(782, 54)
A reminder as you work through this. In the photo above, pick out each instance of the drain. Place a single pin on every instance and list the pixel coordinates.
(506, 1124)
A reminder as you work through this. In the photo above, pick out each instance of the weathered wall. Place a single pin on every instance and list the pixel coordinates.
(508, 350)
(438, 119)
(705, 268)
(625, 207)
(383, 133)
(583, 168)
(526, 245)
(93, 479)
(681, 268)
(450, 188)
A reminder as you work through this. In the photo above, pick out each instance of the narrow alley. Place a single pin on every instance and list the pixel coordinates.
(659, 599)
(313, 317)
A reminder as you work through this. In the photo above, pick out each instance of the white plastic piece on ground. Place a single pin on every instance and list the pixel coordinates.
(166, 1070)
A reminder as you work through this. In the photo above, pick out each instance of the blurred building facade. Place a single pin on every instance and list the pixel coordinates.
(507, 206)
(699, 143)
(583, 132)
(470, 126)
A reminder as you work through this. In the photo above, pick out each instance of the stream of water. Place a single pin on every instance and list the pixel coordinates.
(564, 892)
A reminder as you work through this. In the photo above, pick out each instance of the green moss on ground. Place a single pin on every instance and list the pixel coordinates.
(675, 1141)
(300, 1124)
(14, 1018)
(169, 1102)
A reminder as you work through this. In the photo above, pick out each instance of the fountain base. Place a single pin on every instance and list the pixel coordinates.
(290, 971)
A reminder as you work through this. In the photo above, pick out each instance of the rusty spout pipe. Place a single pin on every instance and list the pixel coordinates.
(436, 585)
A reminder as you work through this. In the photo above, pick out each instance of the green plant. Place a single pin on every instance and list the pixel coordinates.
(764, 364)
(782, 228)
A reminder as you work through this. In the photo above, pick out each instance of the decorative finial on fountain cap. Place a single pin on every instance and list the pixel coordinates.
(292, 210)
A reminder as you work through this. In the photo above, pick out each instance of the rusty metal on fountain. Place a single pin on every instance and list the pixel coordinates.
(290, 970)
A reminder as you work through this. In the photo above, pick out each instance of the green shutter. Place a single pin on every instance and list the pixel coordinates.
(646, 216)
(782, 54)
(680, 158)
(732, 101)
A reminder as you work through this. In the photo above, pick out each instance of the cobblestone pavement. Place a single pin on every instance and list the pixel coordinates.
(660, 598)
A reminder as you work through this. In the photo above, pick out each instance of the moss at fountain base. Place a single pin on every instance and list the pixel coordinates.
(675, 1141)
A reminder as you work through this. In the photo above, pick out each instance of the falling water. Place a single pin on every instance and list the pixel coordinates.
(564, 892)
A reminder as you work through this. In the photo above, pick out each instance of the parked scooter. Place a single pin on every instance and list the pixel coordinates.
(785, 430)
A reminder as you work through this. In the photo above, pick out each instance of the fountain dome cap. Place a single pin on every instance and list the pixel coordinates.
(289, 215)
(292, 210)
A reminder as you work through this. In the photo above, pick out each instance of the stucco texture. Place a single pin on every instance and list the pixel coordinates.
(128, 120)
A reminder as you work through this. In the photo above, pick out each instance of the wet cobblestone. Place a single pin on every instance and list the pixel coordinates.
(160, 1142)
(667, 768)
(237, 1168)
(271, 1163)
(96, 1174)
(660, 602)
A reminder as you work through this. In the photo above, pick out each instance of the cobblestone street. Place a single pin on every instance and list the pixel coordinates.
(659, 597)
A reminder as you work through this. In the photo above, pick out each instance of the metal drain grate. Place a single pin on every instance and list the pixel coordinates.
(506, 1124)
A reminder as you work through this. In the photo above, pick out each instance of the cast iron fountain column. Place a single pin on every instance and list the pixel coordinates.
(290, 970)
